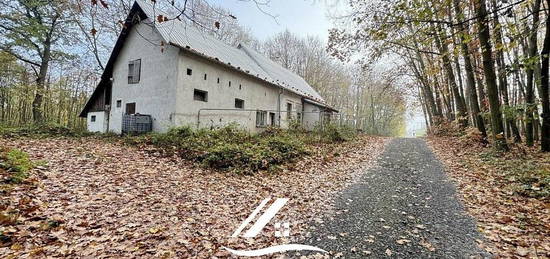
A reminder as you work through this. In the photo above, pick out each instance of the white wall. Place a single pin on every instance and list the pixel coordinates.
(255, 93)
(100, 123)
(155, 92)
(165, 91)
(311, 116)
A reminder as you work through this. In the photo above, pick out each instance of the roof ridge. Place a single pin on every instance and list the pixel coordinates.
(241, 57)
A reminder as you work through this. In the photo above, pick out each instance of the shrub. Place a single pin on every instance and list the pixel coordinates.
(337, 133)
(235, 149)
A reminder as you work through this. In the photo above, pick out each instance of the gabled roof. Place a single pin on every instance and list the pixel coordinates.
(241, 58)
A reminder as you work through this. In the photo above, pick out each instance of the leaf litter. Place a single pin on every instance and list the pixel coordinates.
(100, 198)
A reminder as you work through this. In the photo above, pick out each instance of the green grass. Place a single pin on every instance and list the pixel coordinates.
(15, 164)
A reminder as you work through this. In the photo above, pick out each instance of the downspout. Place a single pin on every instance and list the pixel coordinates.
(109, 109)
(281, 91)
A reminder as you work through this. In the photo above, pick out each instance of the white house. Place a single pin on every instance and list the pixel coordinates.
(181, 76)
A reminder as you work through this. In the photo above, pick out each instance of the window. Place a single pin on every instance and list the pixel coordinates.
(240, 87)
(189, 71)
(261, 118)
(204, 76)
(239, 104)
(118, 103)
(131, 108)
(289, 111)
(229, 83)
(134, 71)
(218, 80)
(92, 118)
(272, 118)
(199, 95)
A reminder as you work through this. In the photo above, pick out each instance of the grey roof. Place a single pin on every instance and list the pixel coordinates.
(245, 59)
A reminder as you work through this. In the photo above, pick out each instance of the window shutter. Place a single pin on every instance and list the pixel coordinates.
(137, 73)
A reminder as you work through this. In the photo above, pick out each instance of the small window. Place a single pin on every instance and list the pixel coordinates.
(199, 95)
(134, 71)
(204, 76)
(131, 108)
(272, 118)
(239, 104)
(92, 118)
(261, 118)
(240, 87)
(229, 83)
(218, 80)
(118, 103)
(289, 111)
(189, 71)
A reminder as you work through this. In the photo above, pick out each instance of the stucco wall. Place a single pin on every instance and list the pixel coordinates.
(155, 92)
(256, 95)
(165, 90)
(311, 116)
(100, 123)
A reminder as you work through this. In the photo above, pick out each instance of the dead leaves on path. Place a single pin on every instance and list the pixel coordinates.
(105, 199)
(514, 225)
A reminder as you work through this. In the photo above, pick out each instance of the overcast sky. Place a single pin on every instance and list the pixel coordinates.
(303, 17)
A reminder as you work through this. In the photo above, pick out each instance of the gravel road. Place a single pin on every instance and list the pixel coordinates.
(404, 207)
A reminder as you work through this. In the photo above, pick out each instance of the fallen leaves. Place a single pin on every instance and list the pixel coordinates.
(427, 245)
(513, 215)
(106, 199)
(403, 241)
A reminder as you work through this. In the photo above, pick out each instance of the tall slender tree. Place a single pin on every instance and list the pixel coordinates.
(490, 75)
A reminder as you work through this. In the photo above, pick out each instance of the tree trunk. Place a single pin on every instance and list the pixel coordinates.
(544, 76)
(490, 76)
(461, 112)
(529, 92)
(37, 115)
(470, 77)
(502, 75)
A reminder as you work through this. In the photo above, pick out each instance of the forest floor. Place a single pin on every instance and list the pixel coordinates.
(94, 197)
(508, 194)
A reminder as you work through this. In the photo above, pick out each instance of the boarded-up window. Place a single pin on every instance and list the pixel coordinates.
(131, 108)
(199, 95)
(239, 104)
(261, 118)
(134, 71)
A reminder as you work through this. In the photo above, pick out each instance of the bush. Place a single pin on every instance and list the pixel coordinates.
(228, 148)
(235, 149)
(337, 133)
